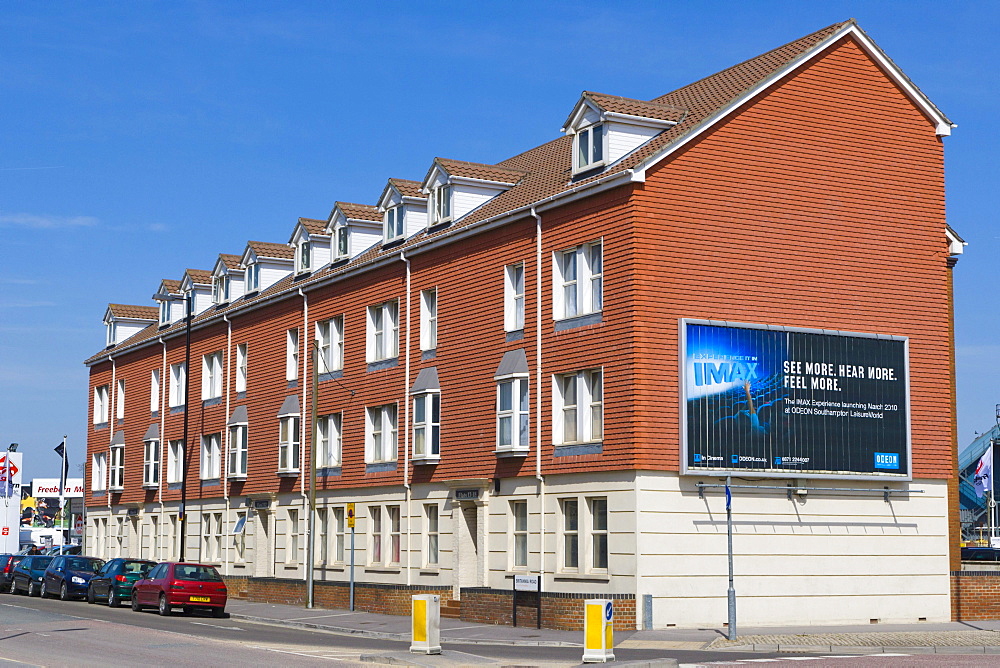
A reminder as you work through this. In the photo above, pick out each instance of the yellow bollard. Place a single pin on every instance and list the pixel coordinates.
(598, 631)
(426, 637)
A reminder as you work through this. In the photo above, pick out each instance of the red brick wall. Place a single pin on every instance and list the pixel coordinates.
(559, 611)
(975, 595)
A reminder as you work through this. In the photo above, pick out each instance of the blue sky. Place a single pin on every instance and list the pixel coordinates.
(140, 139)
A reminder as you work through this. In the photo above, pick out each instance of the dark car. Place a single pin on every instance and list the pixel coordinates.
(64, 549)
(27, 576)
(980, 554)
(7, 564)
(115, 579)
(68, 576)
(181, 585)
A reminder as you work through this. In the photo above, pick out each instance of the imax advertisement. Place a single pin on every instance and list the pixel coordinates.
(794, 402)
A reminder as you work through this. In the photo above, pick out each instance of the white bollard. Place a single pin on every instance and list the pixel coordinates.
(426, 637)
(598, 632)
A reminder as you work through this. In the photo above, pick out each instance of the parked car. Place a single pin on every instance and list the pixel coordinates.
(68, 576)
(181, 585)
(115, 579)
(27, 576)
(64, 549)
(7, 564)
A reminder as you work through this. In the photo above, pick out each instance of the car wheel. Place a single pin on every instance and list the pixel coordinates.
(63, 592)
(13, 586)
(218, 612)
(31, 589)
(135, 604)
(113, 600)
(164, 607)
(44, 590)
(90, 595)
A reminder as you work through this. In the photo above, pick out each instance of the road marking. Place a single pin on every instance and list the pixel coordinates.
(216, 626)
(298, 619)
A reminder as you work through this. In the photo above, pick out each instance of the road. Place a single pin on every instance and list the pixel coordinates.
(45, 632)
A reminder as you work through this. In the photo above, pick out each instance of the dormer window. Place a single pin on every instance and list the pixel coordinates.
(111, 333)
(394, 223)
(589, 147)
(303, 257)
(440, 205)
(220, 289)
(253, 277)
(342, 246)
(164, 312)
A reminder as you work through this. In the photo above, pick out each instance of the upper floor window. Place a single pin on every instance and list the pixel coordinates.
(101, 404)
(211, 376)
(394, 223)
(330, 344)
(154, 391)
(292, 354)
(428, 319)
(151, 463)
(253, 277)
(383, 331)
(120, 400)
(211, 456)
(178, 378)
(288, 443)
(380, 441)
(440, 205)
(117, 470)
(578, 407)
(303, 256)
(164, 312)
(512, 413)
(427, 425)
(578, 275)
(220, 289)
(112, 325)
(241, 367)
(513, 297)
(589, 148)
(175, 461)
(328, 440)
(99, 471)
(237, 451)
(342, 247)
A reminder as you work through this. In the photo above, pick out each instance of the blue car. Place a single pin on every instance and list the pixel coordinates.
(27, 575)
(68, 576)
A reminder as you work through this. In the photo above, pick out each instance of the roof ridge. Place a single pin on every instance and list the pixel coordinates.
(440, 160)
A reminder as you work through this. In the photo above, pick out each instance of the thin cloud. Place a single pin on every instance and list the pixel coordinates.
(44, 222)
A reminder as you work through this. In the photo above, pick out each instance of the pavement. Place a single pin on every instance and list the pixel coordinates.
(918, 638)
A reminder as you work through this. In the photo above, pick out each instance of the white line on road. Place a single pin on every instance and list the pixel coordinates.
(216, 626)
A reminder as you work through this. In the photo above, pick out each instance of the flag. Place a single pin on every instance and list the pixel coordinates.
(61, 451)
(729, 497)
(983, 480)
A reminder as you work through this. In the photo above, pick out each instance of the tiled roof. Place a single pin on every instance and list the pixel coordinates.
(359, 211)
(632, 107)
(133, 312)
(270, 250)
(476, 170)
(230, 261)
(313, 226)
(199, 276)
(408, 188)
(170, 285)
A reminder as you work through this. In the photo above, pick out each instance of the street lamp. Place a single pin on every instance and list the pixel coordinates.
(12, 447)
(165, 297)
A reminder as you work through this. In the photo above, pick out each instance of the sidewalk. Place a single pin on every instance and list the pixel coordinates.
(920, 638)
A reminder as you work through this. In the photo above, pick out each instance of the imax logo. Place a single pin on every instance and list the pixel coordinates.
(711, 373)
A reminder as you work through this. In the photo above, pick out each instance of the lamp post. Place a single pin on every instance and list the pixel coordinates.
(186, 298)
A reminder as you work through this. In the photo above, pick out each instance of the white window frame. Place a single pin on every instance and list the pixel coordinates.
(211, 532)
(241, 367)
(590, 536)
(597, 534)
(303, 256)
(516, 413)
(178, 373)
(151, 463)
(427, 425)
(292, 536)
(211, 456)
(340, 539)
(99, 471)
(220, 289)
(394, 533)
(101, 404)
(393, 228)
(154, 538)
(175, 461)
(432, 535)
(117, 468)
(569, 535)
(428, 319)
(518, 535)
(164, 312)
(292, 354)
(376, 544)
(330, 343)
(239, 537)
(341, 242)
(329, 440)
(578, 407)
(120, 399)
(513, 297)
(578, 281)
(440, 204)
(381, 434)
(590, 147)
(112, 325)
(253, 277)
(289, 444)
(383, 331)
(238, 451)
(211, 376)
(154, 391)
(321, 555)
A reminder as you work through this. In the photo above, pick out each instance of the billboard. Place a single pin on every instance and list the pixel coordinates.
(792, 402)
(10, 501)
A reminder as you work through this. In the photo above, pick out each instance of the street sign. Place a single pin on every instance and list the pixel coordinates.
(350, 515)
(78, 526)
(525, 583)
(466, 494)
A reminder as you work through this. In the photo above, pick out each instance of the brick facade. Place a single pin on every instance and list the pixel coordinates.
(975, 595)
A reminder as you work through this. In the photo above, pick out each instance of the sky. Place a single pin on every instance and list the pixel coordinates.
(140, 139)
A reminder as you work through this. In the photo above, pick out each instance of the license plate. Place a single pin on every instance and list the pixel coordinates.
(199, 599)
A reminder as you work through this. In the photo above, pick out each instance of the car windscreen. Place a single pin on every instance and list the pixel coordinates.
(40, 563)
(84, 564)
(197, 573)
(140, 567)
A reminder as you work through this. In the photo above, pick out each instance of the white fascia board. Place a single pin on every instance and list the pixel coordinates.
(248, 257)
(582, 105)
(956, 244)
(390, 197)
(465, 180)
(109, 317)
(432, 177)
(297, 234)
(644, 121)
(869, 47)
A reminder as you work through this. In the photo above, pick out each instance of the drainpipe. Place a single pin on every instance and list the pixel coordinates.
(163, 459)
(406, 423)
(538, 394)
(112, 423)
(306, 495)
(225, 449)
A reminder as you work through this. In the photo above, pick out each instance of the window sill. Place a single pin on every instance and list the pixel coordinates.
(514, 335)
(331, 375)
(562, 324)
(174, 410)
(237, 477)
(511, 452)
(98, 426)
(430, 570)
(210, 482)
(174, 485)
(293, 383)
(153, 415)
(379, 365)
(588, 169)
(288, 474)
(115, 490)
(589, 577)
(241, 395)
(379, 467)
(150, 485)
(575, 449)
(428, 354)
(328, 472)
(98, 493)
(376, 568)
(212, 401)
(425, 459)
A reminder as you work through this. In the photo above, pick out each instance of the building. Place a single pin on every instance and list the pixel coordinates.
(549, 366)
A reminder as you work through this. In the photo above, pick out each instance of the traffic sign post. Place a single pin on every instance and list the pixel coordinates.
(598, 631)
(350, 525)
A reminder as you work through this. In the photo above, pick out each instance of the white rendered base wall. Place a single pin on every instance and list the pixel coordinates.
(819, 558)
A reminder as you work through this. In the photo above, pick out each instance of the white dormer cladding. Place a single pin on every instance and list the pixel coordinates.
(199, 285)
(354, 228)
(402, 199)
(227, 279)
(606, 128)
(265, 264)
(123, 321)
(170, 312)
(311, 245)
(455, 188)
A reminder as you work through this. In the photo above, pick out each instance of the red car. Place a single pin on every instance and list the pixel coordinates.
(174, 584)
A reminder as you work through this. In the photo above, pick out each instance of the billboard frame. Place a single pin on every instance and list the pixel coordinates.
(721, 471)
